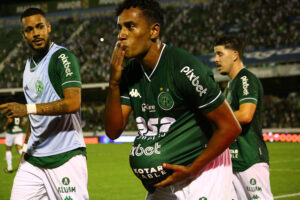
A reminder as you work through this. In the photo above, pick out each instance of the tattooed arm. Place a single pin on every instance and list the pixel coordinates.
(69, 104)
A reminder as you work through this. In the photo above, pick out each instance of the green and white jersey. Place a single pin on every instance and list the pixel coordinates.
(54, 139)
(169, 104)
(15, 127)
(249, 148)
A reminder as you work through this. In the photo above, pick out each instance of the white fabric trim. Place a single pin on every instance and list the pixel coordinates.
(248, 98)
(70, 82)
(149, 77)
(124, 97)
(211, 101)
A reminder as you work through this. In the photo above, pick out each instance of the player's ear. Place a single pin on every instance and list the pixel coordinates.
(235, 55)
(155, 31)
(49, 27)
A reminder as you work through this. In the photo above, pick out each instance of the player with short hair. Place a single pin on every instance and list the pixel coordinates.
(185, 125)
(250, 159)
(55, 162)
(14, 128)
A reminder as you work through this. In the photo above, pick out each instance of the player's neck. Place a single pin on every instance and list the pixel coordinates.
(237, 67)
(150, 60)
(38, 55)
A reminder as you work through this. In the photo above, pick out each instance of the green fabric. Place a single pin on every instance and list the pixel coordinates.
(15, 127)
(54, 161)
(249, 148)
(169, 108)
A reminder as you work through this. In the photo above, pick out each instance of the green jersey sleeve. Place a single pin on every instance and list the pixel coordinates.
(64, 71)
(195, 82)
(68, 69)
(248, 89)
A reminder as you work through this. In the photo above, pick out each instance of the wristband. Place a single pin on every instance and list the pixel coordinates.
(24, 148)
(31, 108)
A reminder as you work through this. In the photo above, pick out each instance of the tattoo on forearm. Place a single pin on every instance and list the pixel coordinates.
(72, 96)
(53, 108)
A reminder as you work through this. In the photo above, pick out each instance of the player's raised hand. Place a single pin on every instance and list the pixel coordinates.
(116, 63)
(14, 109)
(180, 174)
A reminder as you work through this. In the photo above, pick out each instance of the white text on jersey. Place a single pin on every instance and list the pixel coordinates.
(194, 80)
(66, 64)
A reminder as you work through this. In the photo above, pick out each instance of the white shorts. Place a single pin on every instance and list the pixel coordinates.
(253, 183)
(14, 139)
(66, 182)
(215, 183)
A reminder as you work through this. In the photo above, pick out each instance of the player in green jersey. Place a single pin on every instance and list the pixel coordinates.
(14, 128)
(250, 159)
(185, 125)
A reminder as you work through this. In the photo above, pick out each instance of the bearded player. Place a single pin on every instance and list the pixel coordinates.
(185, 125)
(55, 162)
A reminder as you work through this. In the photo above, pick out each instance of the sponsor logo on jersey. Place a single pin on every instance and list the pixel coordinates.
(66, 64)
(194, 80)
(147, 151)
(202, 198)
(134, 93)
(150, 108)
(149, 173)
(234, 153)
(245, 85)
(254, 187)
(66, 189)
(165, 101)
(39, 87)
(252, 181)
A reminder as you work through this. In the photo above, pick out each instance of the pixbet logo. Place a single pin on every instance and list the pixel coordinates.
(194, 80)
(66, 64)
(148, 151)
(245, 85)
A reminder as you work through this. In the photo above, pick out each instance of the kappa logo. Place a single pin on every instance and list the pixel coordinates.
(245, 85)
(134, 93)
(66, 64)
(194, 80)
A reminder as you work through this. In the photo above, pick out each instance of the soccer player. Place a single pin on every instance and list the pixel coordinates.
(185, 125)
(55, 162)
(14, 136)
(250, 159)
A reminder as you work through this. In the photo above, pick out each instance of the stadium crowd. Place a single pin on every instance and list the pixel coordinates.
(278, 113)
(263, 24)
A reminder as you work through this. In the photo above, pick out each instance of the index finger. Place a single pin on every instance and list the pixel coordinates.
(165, 182)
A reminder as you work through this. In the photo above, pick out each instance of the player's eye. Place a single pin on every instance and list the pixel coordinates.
(130, 26)
(28, 29)
(40, 26)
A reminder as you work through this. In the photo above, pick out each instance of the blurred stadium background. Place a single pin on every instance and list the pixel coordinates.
(271, 29)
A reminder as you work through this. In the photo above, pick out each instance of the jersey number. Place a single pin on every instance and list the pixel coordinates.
(154, 126)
